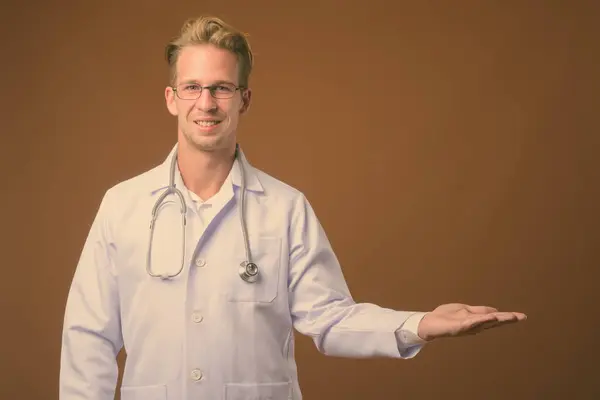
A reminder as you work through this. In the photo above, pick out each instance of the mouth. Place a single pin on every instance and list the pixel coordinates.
(207, 123)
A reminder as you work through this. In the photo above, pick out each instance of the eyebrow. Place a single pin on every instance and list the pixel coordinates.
(218, 82)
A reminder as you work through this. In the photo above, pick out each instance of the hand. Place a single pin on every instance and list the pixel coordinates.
(456, 319)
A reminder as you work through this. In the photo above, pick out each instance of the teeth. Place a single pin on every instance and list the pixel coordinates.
(207, 123)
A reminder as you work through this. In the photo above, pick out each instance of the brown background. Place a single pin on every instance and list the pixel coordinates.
(449, 148)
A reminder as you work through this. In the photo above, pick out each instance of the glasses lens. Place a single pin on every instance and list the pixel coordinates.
(191, 91)
(222, 91)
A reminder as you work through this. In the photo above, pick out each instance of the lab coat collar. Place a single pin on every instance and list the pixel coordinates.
(234, 177)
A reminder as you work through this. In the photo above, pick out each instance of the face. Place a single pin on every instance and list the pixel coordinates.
(207, 123)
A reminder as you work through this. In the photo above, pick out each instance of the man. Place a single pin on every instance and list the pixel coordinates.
(179, 294)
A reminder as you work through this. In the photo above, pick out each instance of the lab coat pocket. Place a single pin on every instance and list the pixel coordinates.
(258, 391)
(266, 254)
(153, 392)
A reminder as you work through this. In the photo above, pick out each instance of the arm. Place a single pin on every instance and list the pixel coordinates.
(322, 306)
(91, 337)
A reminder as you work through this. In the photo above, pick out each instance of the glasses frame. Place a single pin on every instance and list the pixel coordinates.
(210, 89)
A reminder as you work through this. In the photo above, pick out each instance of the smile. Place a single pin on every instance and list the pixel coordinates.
(207, 123)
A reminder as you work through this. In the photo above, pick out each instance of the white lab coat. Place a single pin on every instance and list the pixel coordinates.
(207, 334)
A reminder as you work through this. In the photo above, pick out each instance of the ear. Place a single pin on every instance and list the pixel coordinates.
(171, 100)
(246, 99)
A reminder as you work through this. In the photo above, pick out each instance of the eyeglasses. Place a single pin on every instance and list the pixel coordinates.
(192, 91)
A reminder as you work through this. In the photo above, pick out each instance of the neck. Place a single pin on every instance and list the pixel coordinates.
(203, 172)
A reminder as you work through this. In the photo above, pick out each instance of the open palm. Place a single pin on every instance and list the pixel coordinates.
(457, 319)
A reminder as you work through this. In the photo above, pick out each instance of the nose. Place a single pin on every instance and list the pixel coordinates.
(206, 102)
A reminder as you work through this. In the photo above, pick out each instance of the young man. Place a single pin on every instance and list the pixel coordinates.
(205, 298)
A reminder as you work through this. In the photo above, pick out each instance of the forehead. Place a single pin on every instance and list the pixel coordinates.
(206, 64)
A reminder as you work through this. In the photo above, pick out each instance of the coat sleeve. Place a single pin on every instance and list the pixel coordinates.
(91, 336)
(322, 306)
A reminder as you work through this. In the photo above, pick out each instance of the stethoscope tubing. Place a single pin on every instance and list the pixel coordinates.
(248, 270)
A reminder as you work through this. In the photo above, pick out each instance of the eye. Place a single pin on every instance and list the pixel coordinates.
(191, 87)
(222, 88)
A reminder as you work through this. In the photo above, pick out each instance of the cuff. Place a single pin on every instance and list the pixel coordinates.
(408, 335)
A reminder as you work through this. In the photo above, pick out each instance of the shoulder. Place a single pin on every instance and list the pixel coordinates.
(124, 195)
(282, 197)
(279, 190)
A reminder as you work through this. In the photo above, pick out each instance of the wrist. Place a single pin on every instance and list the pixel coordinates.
(423, 330)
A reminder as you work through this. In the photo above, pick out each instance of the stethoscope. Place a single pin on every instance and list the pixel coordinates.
(247, 270)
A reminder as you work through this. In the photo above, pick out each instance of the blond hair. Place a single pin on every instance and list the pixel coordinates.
(211, 30)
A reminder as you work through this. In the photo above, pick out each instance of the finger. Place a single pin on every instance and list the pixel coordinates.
(500, 321)
(491, 324)
(477, 321)
(481, 322)
(520, 316)
(481, 326)
(510, 316)
(481, 309)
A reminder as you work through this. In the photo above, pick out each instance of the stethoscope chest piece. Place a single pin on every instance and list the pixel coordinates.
(248, 271)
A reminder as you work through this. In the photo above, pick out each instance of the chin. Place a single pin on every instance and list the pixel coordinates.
(217, 139)
(213, 143)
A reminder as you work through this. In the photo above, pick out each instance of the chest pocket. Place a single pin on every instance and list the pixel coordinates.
(266, 253)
